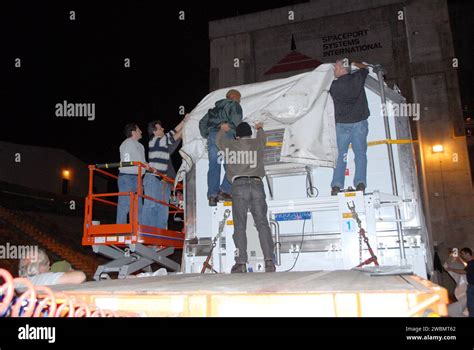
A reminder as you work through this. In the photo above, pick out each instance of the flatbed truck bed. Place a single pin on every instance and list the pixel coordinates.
(342, 293)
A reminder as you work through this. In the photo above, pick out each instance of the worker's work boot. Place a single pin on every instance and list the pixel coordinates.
(212, 201)
(360, 187)
(269, 266)
(335, 190)
(239, 268)
(222, 196)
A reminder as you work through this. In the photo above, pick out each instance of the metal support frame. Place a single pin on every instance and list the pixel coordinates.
(274, 223)
(216, 239)
(134, 258)
(129, 257)
(379, 70)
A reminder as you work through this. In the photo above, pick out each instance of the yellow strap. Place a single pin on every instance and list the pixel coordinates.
(371, 143)
(392, 142)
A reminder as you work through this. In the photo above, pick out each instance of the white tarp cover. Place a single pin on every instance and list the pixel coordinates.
(301, 104)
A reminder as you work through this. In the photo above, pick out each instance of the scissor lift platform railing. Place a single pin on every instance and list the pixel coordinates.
(132, 246)
(345, 293)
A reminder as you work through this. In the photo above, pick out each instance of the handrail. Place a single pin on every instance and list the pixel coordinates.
(277, 240)
(106, 173)
(112, 194)
(160, 202)
(97, 197)
(135, 197)
(98, 167)
(105, 201)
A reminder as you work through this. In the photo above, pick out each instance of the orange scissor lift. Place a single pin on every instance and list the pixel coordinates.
(132, 246)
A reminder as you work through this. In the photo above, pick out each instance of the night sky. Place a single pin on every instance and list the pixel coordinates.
(83, 61)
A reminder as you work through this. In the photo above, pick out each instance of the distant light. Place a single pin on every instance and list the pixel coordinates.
(437, 149)
(66, 174)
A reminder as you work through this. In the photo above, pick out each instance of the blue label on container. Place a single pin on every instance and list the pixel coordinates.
(302, 215)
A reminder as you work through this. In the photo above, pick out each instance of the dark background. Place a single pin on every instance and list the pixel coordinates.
(83, 61)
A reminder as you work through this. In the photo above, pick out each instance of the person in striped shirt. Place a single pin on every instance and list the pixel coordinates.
(156, 214)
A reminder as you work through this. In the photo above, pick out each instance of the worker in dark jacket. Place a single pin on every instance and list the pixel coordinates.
(245, 169)
(227, 111)
(351, 111)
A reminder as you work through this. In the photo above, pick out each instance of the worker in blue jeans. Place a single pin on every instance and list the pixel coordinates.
(351, 112)
(216, 192)
(131, 150)
(155, 214)
(355, 134)
(227, 111)
(159, 150)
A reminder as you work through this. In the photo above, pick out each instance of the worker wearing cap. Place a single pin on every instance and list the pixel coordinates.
(245, 170)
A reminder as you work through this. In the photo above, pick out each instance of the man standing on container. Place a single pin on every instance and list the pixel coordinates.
(245, 170)
(351, 110)
(228, 111)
